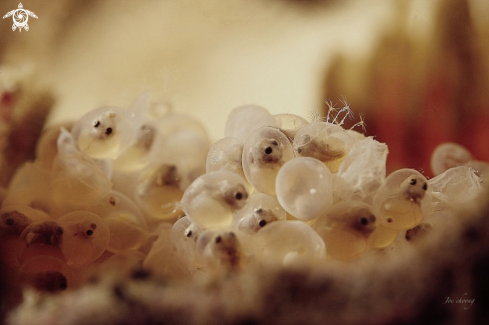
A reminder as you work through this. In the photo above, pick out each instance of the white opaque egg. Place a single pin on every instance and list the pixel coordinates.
(104, 132)
(211, 199)
(304, 188)
(362, 172)
(264, 153)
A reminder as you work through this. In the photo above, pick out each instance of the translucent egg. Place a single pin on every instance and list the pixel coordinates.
(128, 229)
(289, 124)
(188, 151)
(174, 123)
(403, 200)
(346, 228)
(243, 120)
(85, 237)
(289, 243)
(137, 155)
(158, 186)
(46, 148)
(172, 255)
(31, 186)
(264, 153)
(104, 132)
(41, 237)
(211, 199)
(78, 181)
(226, 154)
(324, 141)
(260, 210)
(45, 273)
(448, 155)
(221, 249)
(304, 188)
(13, 220)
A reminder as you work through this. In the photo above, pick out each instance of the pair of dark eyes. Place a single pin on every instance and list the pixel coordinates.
(262, 223)
(413, 182)
(268, 150)
(219, 238)
(108, 131)
(89, 232)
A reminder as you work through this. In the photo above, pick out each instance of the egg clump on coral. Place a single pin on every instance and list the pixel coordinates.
(122, 187)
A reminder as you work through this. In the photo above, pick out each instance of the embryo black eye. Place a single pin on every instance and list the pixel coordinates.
(96, 124)
(413, 181)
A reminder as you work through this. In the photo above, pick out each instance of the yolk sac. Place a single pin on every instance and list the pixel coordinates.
(346, 229)
(104, 132)
(324, 141)
(264, 153)
(211, 199)
(403, 200)
(260, 210)
(304, 188)
(85, 237)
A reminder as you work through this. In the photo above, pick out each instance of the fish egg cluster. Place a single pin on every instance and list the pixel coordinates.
(123, 185)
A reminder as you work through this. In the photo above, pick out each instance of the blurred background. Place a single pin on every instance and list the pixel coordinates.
(416, 70)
